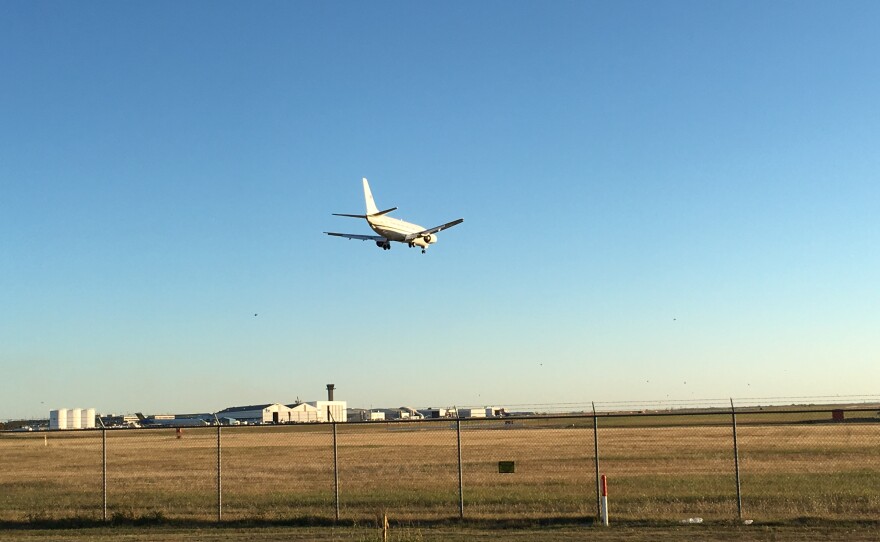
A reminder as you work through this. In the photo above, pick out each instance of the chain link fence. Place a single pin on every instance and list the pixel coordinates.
(766, 466)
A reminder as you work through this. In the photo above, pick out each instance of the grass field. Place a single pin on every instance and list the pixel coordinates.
(458, 533)
(658, 470)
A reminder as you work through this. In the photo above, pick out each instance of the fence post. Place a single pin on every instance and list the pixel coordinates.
(104, 465)
(460, 474)
(739, 511)
(335, 468)
(596, 461)
(219, 473)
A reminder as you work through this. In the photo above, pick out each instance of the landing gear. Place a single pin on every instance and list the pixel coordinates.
(423, 251)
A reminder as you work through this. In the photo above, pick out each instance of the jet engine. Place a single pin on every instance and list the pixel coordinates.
(429, 239)
(384, 245)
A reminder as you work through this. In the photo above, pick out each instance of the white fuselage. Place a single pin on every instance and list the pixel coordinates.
(395, 229)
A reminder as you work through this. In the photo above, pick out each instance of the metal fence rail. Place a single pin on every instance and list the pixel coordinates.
(719, 466)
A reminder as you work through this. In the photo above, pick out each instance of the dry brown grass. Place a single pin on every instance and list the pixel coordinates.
(410, 471)
(458, 533)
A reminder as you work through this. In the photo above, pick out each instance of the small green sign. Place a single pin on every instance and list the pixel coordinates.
(505, 467)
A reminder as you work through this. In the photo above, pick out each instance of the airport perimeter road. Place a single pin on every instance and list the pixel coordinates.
(704, 533)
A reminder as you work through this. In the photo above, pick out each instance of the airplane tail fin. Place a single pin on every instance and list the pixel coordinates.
(368, 197)
(140, 416)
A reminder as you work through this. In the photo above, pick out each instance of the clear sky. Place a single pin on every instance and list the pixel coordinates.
(662, 200)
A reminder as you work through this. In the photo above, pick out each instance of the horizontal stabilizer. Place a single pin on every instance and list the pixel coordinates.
(386, 211)
(380, 213)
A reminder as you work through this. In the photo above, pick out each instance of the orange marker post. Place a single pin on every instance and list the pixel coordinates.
(604, 501)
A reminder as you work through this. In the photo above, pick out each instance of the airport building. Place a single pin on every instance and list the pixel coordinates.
(365, 415)
(302, 413)
(432, 413)
(472, 412)
(331, 411)
(272, 413)
(119, 420)
(314, 411)
(251, 413)
(402, 413)
(482, 412)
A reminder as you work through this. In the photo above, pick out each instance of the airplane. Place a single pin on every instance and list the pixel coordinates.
(169, 422)
(393, 229)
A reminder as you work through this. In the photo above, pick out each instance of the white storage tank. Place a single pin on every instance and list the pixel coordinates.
(58, 419)
(74, 418)
(88, 418)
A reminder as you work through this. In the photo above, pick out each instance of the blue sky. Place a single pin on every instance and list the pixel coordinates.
(662, 200)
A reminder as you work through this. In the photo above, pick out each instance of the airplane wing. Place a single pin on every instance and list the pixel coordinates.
(358, 237)
(435, 229)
